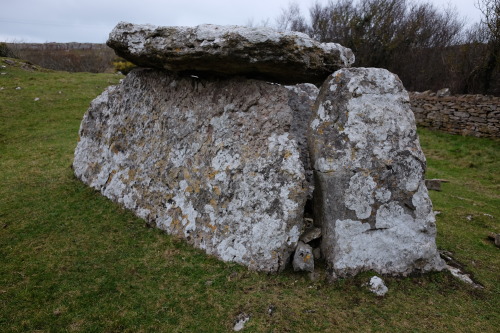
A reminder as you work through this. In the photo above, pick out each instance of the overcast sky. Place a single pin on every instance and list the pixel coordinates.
(91, 20)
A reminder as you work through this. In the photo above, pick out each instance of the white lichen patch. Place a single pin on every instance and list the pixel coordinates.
(396, 246)
(390, 215)
(374, 81)
(293, 235)
(383, 195)
(322, 115)
(226, 160)
(410, 173)
(373, 119)
(339, 164)
(360, 195)
(278, 142)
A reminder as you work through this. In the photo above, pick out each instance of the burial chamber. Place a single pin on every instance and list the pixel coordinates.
(247, 163)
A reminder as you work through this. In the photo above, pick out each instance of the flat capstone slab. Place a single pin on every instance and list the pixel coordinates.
(263, 53)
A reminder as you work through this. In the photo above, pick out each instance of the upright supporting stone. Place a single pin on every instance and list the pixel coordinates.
(214, 161)
(370, 198)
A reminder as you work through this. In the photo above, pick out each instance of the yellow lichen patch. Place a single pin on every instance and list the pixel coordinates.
(114, 148)
(213, 227)
(353, 153)
(173, 173)
(287, 154)
(324, 126)
(110, 177)
(307, 258)
(175, 224)
(213, 203)
(217, 190)
(212, 174)
(296, 192)
(95, 168)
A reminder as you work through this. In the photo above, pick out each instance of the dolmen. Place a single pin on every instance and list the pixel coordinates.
(222, 137)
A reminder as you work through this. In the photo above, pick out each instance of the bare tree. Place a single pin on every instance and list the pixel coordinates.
(291, 19)
(414, 39)
(332, 22)
(489, 70)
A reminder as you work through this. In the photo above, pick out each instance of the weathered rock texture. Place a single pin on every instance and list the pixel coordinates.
(377, 286)
(370, 199)
(284, 57)
(301, 98)
(303, 259)
(213, 161)
(228, 163)
(474, 115)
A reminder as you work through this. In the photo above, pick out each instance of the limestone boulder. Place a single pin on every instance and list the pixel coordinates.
(377, 286)
(370, 197)
(303, 259)
(211, 160)
(282, 57)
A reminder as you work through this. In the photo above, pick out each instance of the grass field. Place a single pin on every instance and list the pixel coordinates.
(71, 260)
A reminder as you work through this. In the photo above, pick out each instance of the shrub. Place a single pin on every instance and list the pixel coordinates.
(5, 51)
(123, 66)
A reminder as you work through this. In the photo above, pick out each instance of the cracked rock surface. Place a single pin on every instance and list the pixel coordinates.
(370, 198)
(213, 161)
(264, 53)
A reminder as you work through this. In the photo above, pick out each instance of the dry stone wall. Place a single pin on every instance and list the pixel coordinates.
(474, 115)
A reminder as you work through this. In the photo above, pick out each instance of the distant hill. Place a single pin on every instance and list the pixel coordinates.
(71, 57)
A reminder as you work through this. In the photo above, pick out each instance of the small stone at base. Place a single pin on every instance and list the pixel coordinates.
(303, 260)
(377, 286)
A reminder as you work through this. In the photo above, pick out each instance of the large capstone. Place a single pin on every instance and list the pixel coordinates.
(211, 160)
(283, 57)
(370, 198)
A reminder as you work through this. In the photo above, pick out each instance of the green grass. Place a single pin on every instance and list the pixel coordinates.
(71, 260)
